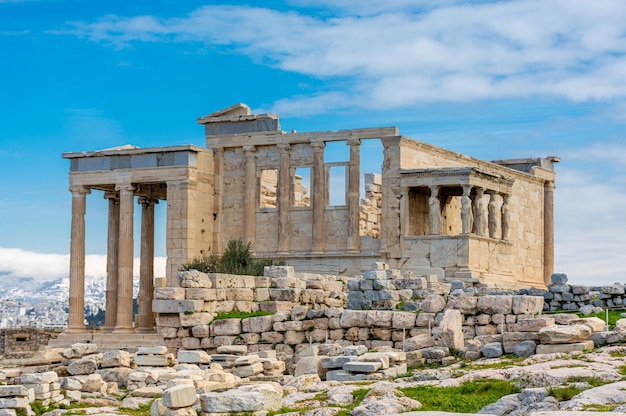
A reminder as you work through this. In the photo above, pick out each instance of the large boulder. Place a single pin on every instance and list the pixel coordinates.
(527, 305)
(451, 330)
(493, 304)
(433, 304)
(231, 401)
(564, 334)
(420, 341)
(384, 400)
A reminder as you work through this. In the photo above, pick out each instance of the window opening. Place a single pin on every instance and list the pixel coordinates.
(268, 187)
(301, 187)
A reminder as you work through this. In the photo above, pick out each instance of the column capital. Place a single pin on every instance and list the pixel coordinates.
(79, 189)
(283, 147)
(111, 195)
(125, 187)
(318, 145)
(249, 149)
(147, 200)
(353, 141)
(218, 151)
(549, 185)
(506, 198)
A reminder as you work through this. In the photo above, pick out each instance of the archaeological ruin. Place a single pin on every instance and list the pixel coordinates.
(317, 200)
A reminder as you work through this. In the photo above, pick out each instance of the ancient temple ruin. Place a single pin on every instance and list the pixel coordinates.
(424, 208)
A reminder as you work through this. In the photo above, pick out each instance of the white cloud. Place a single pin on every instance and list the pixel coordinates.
(17, 263)
(406, 52)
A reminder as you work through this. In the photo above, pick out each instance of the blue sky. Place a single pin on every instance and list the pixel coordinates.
(492, 79)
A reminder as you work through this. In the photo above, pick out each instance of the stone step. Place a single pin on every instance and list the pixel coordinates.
(107, 341)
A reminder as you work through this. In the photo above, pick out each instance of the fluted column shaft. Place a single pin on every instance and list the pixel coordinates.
(124, 321)
(354, 173)
(318, 197)
(494, 216)
(250, 202)
(76, 318)
(145, 317)
(218, 161)
(284, 192)
(110, 315)
(506, 217)
(548, 231)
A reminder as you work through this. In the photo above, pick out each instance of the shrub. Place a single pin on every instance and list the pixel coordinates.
(236, 259)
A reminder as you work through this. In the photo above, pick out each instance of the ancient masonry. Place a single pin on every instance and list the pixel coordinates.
(427, 210)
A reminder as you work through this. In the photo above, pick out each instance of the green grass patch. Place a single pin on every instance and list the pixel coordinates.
(143, 410)
(240, 315)
(600, 407)
(359, 395)
(617, 354)
(564, 393)
(508, 360)
(614, 315)
(470, 397)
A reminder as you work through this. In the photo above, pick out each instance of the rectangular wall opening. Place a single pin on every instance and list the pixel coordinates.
(336, 180)
(268, 184)
(302, 187)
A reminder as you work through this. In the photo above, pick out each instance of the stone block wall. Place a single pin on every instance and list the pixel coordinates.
(24, 342)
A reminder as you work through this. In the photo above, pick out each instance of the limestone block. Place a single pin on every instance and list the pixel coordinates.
(193, 279)
(226, 327)
(78, 350)
(403, 320)
(169, 293)
(596, 324)
(380, 319)
(154, 360)
(285, 295)
(257, 324)
(511, 339)
(276, 306)
(620, 325)
(492, 350)
(561, 334)
(433, 304)
(248, 370)
(425, 319)
(232, 401)
(533, 325)
(13, 391)
(233, 349)
(525, 349)
(39, 378)
(293, 337)
(13, 403)
(362, 366)
(564, 318)
(563, 348)
(261, 294)
(353, 318)
(80, 367)
(527, 305)
(558, 279)
(466, 304)
(451, 330)
(90, 383)
(377, 357)
(272, 394)
(342, 376)
(272, 337)
(491, 304)
(205, 294)
(152, 350)
(615, 289)
(335, 362)
(147, 392)
(418, 342)
(193, 357)
(201, 331)
(240, 294)
(176, 306)
(116, 358)
(196, 318)
(278, 271)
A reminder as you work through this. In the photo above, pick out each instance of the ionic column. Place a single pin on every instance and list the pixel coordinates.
(110, 315)
(145, 317)
(467, 217)
(480, 213)
(494, 215)
(434, 211)
(506, 217)
(354, 235)
(124, 321)
(284, 192)
(318, 197)
(76, 318)
(548, 231)
(250, 202)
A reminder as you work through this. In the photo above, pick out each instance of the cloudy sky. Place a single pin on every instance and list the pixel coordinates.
(492, 79)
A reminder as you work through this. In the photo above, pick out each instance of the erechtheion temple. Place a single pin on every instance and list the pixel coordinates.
(294, 196)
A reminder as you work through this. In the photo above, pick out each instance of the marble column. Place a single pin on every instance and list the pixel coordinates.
(76, 318)
(494, 215)
(124, 321)
(506, 217)
(467, 216)
(434, 211)
(354, 173)
(250, 200)
(145, 317)
(110, 315)
(318, 197)
(480, 213)
(284, 193)
(548, 231)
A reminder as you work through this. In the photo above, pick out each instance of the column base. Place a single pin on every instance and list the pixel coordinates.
(145, 330)
(107, 329)
(318, 252)
(123, 330)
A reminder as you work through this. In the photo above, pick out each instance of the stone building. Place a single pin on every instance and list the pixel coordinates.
(425, 209)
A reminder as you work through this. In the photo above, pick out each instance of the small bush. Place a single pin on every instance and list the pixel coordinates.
(564, 393)
(236, 259)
